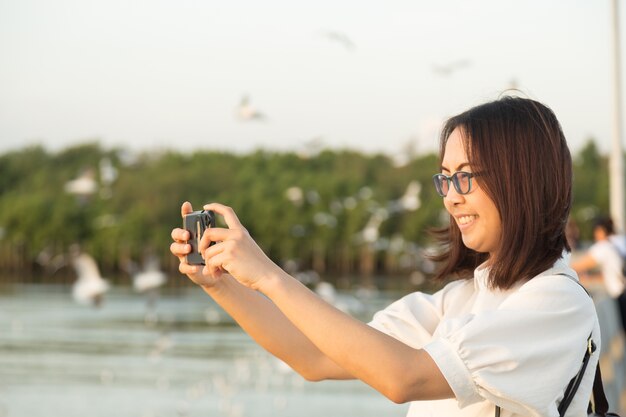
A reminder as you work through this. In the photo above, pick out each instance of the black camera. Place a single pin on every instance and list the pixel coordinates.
(196, 223)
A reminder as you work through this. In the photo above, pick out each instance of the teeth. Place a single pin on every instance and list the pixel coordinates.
(466, 219)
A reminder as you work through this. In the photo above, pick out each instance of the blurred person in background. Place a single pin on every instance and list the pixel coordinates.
(603, 262)
(514, 313)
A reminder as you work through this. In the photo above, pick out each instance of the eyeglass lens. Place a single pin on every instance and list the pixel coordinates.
(460, 179)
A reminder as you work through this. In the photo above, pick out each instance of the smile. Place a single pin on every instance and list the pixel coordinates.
(463, 220)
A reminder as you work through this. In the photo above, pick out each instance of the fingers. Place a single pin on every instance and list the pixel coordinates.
(231, 219)
(187, 269)
(185, 208)
(180, 249)
(217, 234)
(180, 235)
(210, 252)
(214, 266)
(214, 255)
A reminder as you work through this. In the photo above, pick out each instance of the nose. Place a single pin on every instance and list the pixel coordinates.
(453, 197)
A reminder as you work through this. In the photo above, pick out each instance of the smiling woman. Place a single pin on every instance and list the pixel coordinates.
(525, 183)
(474, 212)
(474, 348)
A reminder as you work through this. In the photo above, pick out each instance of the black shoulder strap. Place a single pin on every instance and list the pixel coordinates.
(598, 406)
(573, 385)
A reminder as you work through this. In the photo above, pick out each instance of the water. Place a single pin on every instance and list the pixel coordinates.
(58, 358)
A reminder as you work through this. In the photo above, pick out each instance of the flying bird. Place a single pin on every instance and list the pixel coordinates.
(341, 38)
(246, 112)
(450, 68)
(147, 280)
(89, 287)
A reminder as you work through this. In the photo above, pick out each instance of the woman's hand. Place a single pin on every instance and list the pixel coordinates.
(180, 249)
(235, 252)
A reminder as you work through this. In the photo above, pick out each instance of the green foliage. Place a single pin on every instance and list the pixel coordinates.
(591, 187)
(312, 210)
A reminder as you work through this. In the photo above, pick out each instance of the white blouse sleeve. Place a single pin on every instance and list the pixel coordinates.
(414, 318)
(521, 355)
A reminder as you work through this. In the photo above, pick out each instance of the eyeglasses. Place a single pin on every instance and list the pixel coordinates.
(462, 182)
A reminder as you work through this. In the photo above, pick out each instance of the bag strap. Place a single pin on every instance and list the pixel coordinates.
(598, 405)
(573, 385)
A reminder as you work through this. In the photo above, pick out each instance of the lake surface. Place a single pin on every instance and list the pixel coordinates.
(58, 358)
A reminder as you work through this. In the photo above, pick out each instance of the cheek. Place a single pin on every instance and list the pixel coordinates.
(495, 225)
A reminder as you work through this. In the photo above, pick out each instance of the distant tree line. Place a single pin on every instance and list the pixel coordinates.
(335, 212)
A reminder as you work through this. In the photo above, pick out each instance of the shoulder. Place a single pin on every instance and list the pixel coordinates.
(455, 291)
(449, 293)
(554, 292)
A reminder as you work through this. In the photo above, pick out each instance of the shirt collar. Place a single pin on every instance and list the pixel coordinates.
(560, 267)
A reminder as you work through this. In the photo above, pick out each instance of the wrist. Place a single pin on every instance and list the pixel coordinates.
(273, 282)
(217, 286)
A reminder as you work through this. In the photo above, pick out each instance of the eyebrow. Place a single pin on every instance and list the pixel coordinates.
(463, 165)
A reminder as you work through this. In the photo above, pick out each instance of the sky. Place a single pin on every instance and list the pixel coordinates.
(369, 76)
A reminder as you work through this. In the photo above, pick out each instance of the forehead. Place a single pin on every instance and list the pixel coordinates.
(454, 154)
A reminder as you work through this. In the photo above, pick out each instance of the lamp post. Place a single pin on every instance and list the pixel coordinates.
(616, 158)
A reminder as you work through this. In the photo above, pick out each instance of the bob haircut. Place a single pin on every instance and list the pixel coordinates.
(518, 146)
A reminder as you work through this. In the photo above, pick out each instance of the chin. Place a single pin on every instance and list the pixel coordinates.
(469, 244)
(474, 247)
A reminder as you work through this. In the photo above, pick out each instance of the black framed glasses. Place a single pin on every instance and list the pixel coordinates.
(462, 182)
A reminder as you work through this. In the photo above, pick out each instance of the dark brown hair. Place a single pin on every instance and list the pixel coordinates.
(526, 169)
(605, 223)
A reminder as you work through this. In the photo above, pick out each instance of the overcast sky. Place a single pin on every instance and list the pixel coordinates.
(359, 74)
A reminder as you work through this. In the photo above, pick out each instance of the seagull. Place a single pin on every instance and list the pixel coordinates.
(246, 112)
(89, 287)
(370, 233)
(150, 277)
(84, 186)
(410, 200)
(448, 69)
(340, 38)
(147, 281)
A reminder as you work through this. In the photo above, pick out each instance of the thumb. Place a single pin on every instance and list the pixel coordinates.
(186, 208)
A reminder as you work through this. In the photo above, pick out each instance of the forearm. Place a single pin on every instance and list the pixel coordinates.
(393, 368)
(269, 327)
(305, 325)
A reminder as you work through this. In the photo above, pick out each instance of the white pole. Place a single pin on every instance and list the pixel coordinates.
(616, 158)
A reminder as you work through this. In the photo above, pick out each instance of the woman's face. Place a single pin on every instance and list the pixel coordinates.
(475, 213)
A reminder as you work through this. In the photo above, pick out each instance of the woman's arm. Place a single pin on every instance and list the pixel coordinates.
(259, 317)
(396, 370)
(393, 368)
(269, 327)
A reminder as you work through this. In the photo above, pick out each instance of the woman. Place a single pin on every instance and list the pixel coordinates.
(510, 332)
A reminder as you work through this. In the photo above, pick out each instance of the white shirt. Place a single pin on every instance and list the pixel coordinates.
(610, 262)
(517, 348)
(620, 242)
